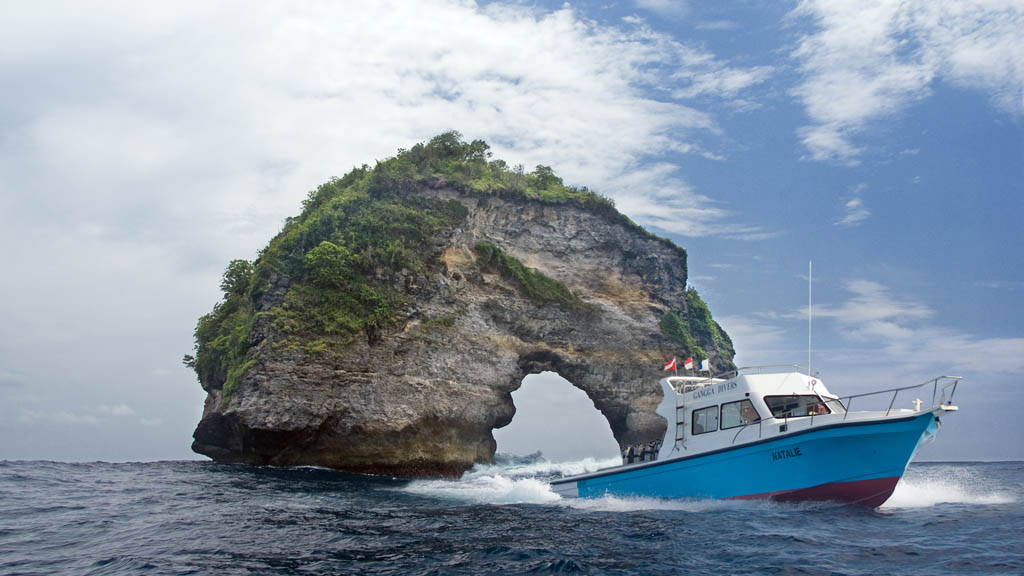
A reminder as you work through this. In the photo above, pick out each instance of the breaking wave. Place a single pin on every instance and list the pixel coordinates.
(511, 480)
(925, 492)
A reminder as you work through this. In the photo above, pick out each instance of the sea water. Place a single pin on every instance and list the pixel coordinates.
(207, 518)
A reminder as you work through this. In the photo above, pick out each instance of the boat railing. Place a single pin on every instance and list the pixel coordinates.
(683, 384)
(765, 369)
(948, 385)
(760, 429)
(941, 387)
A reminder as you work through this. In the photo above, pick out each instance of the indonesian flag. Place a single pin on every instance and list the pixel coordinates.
(670, 365)
(689, 363)
(705, 366)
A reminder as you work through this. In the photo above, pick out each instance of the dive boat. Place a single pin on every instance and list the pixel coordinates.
(774, 432)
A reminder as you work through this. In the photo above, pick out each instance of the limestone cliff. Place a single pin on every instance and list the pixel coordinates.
(385, 328)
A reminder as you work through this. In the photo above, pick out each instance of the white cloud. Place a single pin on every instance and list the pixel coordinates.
(723, 25)
(1011, 285)
(728, 83)
(870, 307)
(62, 417)
(758, 339)
(28, 416)
(856, 213)
(897, 332)
(121, 409)
(149, 118)
(868, 60)
(668, 8)
(91, 417)
(11, 379)
(654, 197)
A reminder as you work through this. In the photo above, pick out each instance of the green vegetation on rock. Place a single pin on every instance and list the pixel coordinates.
(674, 327)
(222, 336)
(531, 283)
(342, 269)
(703, 327)
(348, 257)
(699, 326)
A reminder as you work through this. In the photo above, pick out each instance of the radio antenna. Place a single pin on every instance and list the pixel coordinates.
(809, 373)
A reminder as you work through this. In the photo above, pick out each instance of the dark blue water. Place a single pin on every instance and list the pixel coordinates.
(205, 518)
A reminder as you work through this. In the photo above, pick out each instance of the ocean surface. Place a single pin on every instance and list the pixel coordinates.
(206, 518)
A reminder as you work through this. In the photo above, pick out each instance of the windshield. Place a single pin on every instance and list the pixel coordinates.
(796, 405)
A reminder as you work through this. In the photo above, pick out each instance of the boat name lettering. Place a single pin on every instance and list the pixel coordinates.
(727, 386)
(786, 453)
(712, 390)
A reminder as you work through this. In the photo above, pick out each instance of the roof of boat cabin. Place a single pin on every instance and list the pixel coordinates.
(762, 384)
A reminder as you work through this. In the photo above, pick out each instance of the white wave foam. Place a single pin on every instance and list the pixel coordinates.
(507, 484)
(543, 468)
(487, 489)
(924, 492)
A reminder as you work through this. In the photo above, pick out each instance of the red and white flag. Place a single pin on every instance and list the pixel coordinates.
(670, 365)
(689, 363)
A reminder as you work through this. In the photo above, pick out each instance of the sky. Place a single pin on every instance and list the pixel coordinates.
(144, 146)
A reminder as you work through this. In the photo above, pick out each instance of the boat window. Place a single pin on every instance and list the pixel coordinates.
(705, 420)
(796, 405)
(835, 405)
(738, 414)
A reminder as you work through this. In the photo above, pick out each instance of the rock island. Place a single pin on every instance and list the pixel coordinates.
(384, 328)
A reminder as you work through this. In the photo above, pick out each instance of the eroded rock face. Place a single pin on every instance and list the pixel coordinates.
(423, 398)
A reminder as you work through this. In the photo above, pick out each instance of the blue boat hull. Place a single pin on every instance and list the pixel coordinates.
(852, 462)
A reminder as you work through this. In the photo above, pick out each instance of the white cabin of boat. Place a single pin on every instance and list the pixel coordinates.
(706, 414)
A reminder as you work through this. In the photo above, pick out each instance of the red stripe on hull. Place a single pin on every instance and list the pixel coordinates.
(871, 493)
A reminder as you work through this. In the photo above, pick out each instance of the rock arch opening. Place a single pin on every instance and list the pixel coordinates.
(558, 419)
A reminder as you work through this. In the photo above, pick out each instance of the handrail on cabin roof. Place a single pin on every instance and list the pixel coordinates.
(736, 371)
(705, 380)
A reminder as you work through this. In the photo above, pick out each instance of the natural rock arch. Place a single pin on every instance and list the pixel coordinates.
(555, 418)
(518, 286)
(627, 405)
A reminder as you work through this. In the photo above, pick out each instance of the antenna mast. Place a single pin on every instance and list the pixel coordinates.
(809, 373)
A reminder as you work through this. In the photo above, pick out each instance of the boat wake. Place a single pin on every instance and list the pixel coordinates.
(926, 492)
(512, 480)
(486, 489)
